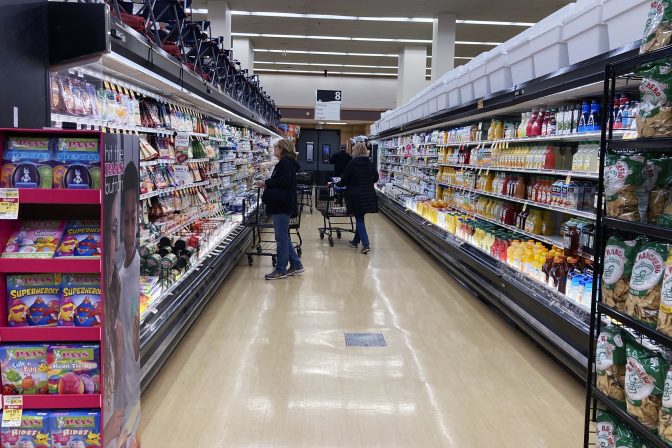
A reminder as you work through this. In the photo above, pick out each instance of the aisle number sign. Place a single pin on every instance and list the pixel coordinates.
(328, 105)
(12, 411)
(9, 203)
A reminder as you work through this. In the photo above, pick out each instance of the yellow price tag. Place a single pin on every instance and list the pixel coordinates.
(569, 179)
(9, 203)
(12, 411)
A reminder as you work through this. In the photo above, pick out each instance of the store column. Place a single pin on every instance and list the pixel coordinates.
(412, 71)
(443, 45)
(243, 51)
(219, 15)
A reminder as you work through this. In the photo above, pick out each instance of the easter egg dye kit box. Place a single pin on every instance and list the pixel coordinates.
(34, 239)
(81, 304)
(74, 369)
(24, 369)
(27, 163)
(75, 429)
(34, 432)
(33, 300)
(80, 239)
(77, 163)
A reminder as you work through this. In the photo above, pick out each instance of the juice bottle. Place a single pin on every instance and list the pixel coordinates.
(518, 189)
(549, 158)
(558, 274)
(546, 268)
(531, 122)
(571, 237)
(511, 251)
(547, 227)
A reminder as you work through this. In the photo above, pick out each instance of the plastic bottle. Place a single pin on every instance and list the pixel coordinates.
(538, 123)
(594, 123)
(552, 123)
(531, 122)
(547, 225)
(583, 117)
(558, 274)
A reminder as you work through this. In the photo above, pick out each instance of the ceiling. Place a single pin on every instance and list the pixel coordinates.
(529, 11)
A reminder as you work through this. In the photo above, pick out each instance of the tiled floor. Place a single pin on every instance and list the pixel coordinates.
(267, 365)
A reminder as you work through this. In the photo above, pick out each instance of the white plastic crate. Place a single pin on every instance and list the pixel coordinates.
(466, 86)
(521, 60)
(454, 95)
(442, 101)
(584, 32)
(479, 78)
(433, 103)
(625, 20)
(499, 72)
(549, 51)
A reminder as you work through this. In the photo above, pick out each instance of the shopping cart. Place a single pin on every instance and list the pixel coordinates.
(304, 183)
(263, 235)
(330, 202)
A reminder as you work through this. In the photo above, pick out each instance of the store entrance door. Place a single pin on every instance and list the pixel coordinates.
(316, 146)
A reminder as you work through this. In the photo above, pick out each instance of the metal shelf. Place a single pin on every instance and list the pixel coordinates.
(662, 233)
(541, 171)
(636, 325)
(161, 191)
(576, 137)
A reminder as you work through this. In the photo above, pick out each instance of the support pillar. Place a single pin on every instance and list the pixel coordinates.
(443, 45)
(412, 72)
(243, 50)
(219, 15)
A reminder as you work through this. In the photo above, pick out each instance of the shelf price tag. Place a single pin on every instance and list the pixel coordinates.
(9, 203)
(12, 411)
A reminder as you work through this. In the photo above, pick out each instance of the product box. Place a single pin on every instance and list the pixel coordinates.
(77, 164)
(34, 432)
(74, 369)
(75, 429)
(33, 299)
(80, 239)
(27, 163)
(34, 239)
(81, 304)
(24, 369)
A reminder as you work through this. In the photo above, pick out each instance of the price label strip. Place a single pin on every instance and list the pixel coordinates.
(9, 203)
(12, 411)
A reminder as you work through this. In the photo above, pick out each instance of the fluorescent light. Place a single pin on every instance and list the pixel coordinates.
(395, 19)
(493, 22)
(278, 70)
(319, 64)
(361, 39)
(466, 42)
(337, 124)
(198, 10)
(381, 39)
(332, 53)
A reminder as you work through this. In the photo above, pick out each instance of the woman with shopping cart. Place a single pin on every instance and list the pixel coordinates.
(280, 200)
(360, 196)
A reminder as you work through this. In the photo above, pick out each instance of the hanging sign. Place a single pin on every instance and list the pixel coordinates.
(328, 105)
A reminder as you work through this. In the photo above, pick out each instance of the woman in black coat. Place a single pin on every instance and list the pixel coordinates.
(280, 200)
(360, 197)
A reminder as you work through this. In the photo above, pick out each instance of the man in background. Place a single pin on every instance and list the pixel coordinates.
(340, 160)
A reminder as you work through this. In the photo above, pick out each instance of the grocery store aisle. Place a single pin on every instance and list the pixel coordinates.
(267, 366)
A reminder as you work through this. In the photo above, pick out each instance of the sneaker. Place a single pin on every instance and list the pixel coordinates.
(295, 271)
(366, 249)
(352, 244)
(275, 275)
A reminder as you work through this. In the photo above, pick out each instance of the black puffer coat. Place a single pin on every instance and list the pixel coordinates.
(359, 177)
(280, 197)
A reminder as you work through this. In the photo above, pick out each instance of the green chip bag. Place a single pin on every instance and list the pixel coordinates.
(610, 363)
(623, 186)
(665, 418)
(643, 301)
(607, 429)
(654, 117)
(645, 372)
(658, 29)
(619, 256)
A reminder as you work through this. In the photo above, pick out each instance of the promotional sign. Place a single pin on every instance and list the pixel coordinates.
(9, 203)
(328, 105)
(121, 288)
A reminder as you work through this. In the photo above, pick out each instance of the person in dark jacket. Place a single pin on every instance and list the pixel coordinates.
(340, 160)
(360, 197)
(280, 200)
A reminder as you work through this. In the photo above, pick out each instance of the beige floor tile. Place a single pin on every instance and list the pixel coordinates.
(266, 365)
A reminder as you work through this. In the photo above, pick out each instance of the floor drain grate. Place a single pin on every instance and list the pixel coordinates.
(364, 340)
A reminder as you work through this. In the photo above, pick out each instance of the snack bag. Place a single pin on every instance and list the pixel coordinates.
(607, 429)
(619, 256)
(658, 30)
(77, 164)
(655, 114)
(643, 300)
(75, 429)
(665, 420)
(610, 363)
(34, 239)
(80, 239)
(665, 313)
(81, 304)
(623, 180)
(34, 432)
(644, 383)
(24, 369)
(33, 299)
(27, 163)
(659, 185)
(74, 369)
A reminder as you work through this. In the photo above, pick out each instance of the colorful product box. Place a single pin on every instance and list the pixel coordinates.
(33, 300)
(80, 239)
(77, 164)
(75, 429)
(34, 432)
(27, 163)
(81, 304)
(34, 239)
(74, 369)
(24, 369)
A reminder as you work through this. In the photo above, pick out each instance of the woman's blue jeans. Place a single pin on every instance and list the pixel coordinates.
(285, 250)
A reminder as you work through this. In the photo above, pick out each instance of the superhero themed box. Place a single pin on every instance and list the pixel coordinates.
(81, 304)
(80, 239)
(33, 299)
(75, 429)
(34, 432)
(74, 369)
(34, 239)
(24, 369)
(41, 162)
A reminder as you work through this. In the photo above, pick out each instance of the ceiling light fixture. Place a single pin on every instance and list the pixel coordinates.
(319, 64)
(278, 70)
(359, 39)
(337, 124)
(331, 53)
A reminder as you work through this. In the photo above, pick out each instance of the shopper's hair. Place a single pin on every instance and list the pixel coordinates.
(360, 150)
(131, 181)
(287, 148)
